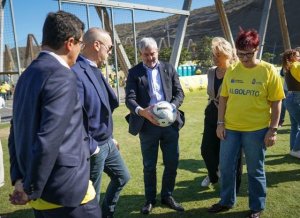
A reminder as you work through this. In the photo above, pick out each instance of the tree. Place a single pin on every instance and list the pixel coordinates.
(185, 56)
(203, 49)
(165, 54)
(267, 56)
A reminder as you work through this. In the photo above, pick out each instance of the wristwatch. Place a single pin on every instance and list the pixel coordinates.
(273, 130)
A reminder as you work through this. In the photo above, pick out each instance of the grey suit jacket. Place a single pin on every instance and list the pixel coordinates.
(137, 93)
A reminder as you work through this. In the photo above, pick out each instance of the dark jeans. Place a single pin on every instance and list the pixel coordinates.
(167, 137)
(293, 106)
(90, 210)
(110, 161)
(283, 109)
(210, 147)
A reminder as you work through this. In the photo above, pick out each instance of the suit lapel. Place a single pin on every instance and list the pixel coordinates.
(144, 78)
(90, 74)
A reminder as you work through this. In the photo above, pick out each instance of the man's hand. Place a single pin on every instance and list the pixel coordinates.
(116, 144)
(148, 115)
(18, 197)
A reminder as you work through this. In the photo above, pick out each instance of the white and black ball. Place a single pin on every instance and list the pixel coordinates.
(165, 113)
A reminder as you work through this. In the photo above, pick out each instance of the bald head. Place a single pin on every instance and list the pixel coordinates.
(94, 34)
(98, 45)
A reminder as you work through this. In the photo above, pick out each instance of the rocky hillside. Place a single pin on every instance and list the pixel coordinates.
(241, 13)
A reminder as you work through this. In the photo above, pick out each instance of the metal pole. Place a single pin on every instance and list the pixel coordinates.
(15, 36)
(115, 52)
(134, 37)
(263, 26)
(283, 25)
(59, 5)
(2, 36)
(224, 21)
(102, 18)
(87, 15)
(182, 25)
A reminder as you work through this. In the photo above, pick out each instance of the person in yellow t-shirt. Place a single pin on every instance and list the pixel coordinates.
(291, 67)
(248, 116)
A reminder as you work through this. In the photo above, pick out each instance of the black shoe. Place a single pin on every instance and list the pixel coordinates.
(148, 206)
(171, 203)
(254, 214)
(217, 208)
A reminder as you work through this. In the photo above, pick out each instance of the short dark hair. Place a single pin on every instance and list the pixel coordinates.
(59, 27)
(247, 39)
(287, 58)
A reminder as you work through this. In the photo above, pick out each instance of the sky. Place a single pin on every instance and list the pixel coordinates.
(30, 14)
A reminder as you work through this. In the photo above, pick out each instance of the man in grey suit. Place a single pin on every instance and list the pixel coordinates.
(48, 144)
(149, 82)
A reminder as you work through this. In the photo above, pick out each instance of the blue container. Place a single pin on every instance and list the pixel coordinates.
(189, 70)
(193, 70)
(179, 71)
(184, 71)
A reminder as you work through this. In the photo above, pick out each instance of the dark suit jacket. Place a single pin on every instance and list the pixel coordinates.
(97, 106)
(137, 93)
(48, 143)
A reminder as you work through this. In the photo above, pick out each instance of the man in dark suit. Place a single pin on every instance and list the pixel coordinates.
(149, 82)
(48, 143)
(99, 101)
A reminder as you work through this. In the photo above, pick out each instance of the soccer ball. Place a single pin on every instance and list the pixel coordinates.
(165, 113)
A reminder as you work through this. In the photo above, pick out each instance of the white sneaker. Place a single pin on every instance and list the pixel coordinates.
(295, 153)
(205, 182)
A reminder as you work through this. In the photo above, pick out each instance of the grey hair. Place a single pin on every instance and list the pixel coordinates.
(147, 42)
(219, 44)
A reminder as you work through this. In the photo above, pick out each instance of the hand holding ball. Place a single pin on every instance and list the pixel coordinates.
(165, 113)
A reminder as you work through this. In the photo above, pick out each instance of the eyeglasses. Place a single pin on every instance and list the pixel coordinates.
(108, 48)
(248, 54)
(81, 44)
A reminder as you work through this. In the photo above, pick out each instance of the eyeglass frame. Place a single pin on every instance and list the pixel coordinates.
(81, 43)
(247, 54)
(108, 49)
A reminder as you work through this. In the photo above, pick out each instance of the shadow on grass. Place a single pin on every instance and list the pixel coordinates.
(129, 206)
(274, 178)
(24, 213)
(191, 165)
(283, 131)
(279, 159)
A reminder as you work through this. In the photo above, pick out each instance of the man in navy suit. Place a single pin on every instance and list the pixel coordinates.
(48, 142)
(99, 101)
(149, 82)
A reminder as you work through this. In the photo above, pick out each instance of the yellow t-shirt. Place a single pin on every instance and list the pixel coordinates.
(249, 92)
(295, 70)
(40, 204)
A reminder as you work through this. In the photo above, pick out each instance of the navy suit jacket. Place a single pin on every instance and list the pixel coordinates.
(99, 109)
(48, 143)
(137, 93)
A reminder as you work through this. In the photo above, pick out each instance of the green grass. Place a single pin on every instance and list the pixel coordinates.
(283, 173)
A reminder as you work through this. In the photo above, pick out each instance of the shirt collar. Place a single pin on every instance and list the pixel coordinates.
(148, 68)
(91, 63)
(57, 57)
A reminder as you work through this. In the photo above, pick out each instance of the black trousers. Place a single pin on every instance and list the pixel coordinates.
(210, 146)
(88, 210)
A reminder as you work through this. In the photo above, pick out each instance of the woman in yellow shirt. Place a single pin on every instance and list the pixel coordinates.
(291, 67)
(248, 116)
